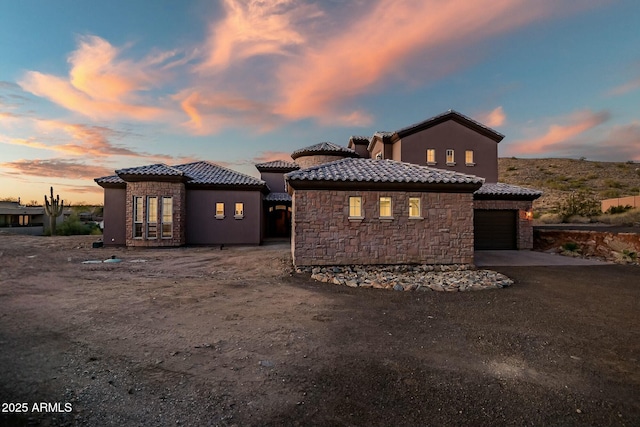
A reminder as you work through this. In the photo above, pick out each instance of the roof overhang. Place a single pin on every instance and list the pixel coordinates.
(382, 186)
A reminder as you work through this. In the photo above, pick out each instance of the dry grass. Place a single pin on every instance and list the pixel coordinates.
(629, 218)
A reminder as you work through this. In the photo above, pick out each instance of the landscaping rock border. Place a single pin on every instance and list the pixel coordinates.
(441, 278)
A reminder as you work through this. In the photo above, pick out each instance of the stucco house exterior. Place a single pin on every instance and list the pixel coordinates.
(427, 193)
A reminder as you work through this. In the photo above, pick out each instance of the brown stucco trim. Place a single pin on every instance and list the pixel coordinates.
(112, 185)
(381, 186)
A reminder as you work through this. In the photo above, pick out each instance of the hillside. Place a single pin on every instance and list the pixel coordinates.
(559, 177)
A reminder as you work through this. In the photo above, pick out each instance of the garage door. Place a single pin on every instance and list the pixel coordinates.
(494, 229)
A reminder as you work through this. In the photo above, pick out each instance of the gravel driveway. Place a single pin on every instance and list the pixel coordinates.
(199, 336)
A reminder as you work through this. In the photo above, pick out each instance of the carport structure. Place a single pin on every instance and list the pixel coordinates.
(502, 217)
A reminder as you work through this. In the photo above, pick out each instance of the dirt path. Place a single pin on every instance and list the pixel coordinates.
(199, 336)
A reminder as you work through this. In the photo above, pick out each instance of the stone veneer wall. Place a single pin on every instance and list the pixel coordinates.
(309, 161)
(159, 189)
(525, 226)
(323, 234)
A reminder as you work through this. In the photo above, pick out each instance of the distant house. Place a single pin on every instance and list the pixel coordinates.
(427, 193)
(17, 218)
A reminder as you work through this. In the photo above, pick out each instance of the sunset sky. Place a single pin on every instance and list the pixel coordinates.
(87, 87)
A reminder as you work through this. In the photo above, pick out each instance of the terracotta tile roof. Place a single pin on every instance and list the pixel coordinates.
(206, 173)
(277, 165)
(324, 148)
(277, 197)
(500, 189)
(380, 171)
(159, 169)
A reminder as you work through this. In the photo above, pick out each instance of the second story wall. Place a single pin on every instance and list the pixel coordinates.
(451, 135)
(275, 181)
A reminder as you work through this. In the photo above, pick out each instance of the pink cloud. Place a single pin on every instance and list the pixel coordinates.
(494, 118)
(390, 39)
(558, 136)
(269, 156)
(628, 87)
(57, 168)
(101, 84)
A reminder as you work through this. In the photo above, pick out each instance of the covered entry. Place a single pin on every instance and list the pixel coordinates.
(495, 229)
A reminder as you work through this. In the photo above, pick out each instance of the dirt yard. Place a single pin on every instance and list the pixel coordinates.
(203, 336)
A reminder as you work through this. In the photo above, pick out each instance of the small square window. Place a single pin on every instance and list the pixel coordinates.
(451, 160)
(355, 207)
(378, 155)
(239, 211)
(385, 207)
(431, 156)
(219, 210)
(414, 207)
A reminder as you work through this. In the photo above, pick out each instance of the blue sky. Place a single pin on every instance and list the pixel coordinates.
(90, 87)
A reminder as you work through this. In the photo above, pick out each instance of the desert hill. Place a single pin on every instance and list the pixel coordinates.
(559, 177)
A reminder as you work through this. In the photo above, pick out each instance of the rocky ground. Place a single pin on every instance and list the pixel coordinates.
(200, 336)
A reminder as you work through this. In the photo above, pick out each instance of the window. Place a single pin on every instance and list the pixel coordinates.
(239, 212)
(431, 156)
(152, 217)
(137, 217)
(167, 217)
(451, 161)
(385, 207)
(355, 207)
(414, 207)
(219, 210)
(468, 158)
(378, 155)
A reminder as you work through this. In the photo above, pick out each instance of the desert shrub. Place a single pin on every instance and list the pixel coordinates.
(72, 226)
(571, 246)
(549, 218)
(593, 176)
(628, 218)
(634, 190)
(578, 219)
(512, 168)
(618, 209)
(610, 194)
(613, 183)
(581, 203)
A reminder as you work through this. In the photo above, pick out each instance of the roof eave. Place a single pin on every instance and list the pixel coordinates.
(458, 118)
(382, 186)
(523, 197)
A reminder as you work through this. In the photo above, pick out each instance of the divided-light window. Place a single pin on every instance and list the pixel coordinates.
(138, 216)
(414, 207)
(451, 160)
(431, 156)
(219, 210)
(239, 212)
(468, 158)
(385, 207)
(355, 207)
(152, 217)
(167, 217)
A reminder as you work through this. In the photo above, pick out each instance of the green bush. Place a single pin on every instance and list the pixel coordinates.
(580, 203)
(72, 226)
(571, 247)
(618, 209)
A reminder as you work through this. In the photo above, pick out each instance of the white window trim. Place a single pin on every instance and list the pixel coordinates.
(472, 157)
(453, 157)
(217, 215)
(355, 218)
(135, 211)
(419, 209)
(434, 157)
(236, 215)
(380, 216)
(162, 222)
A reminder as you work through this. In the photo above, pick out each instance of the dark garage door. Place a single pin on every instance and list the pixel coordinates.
(494, 229)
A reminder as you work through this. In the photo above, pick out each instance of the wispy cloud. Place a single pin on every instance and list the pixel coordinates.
(625, 88)
(581, 135)
(493, 118)
(57, 168)
(269, 156)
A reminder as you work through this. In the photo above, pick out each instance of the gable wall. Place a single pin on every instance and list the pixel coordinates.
(275, 181)
(323, 234)
(451, 134)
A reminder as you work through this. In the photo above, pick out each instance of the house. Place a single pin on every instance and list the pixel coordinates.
(427, 193)
(17, 218)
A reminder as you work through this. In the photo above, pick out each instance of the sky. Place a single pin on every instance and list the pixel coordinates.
(88, 87)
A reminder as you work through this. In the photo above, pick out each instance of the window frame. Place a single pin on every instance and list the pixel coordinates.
(378, 155)
(219, 215)
(466, 158)
(419, 215)
(163, 223)
(431, 162)
(138, 217)
(380, 201)
(152, 218)
(237, 215)
(451, 157)
(360, 212)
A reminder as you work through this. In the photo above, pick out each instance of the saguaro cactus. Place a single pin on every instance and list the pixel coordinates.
(53, 210)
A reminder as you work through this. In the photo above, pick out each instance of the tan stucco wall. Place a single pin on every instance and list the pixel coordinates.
(324, 235)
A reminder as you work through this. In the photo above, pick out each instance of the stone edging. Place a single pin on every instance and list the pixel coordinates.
(442, 278)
